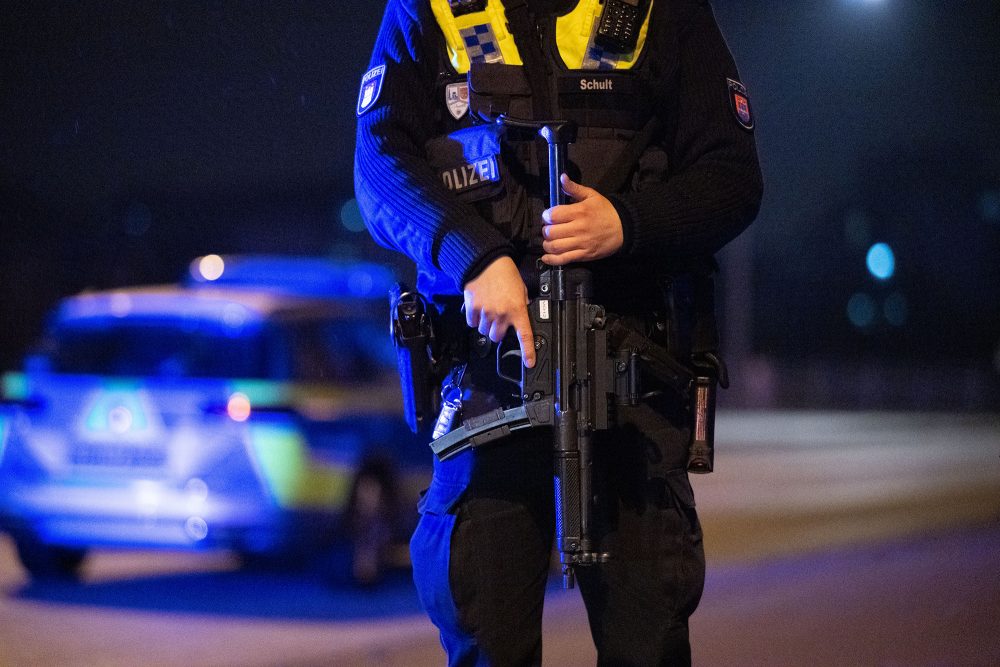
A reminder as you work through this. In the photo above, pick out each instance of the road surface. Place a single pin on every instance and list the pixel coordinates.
(834, 539)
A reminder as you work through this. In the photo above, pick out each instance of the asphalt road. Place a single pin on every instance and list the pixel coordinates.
(834, 539)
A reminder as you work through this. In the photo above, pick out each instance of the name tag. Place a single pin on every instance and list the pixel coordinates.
(596, 83)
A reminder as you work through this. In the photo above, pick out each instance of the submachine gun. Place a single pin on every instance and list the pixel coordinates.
(585, 364)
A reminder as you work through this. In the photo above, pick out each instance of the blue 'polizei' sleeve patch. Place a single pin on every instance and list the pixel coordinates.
(481, 171)
(467, 160)
(371, 86)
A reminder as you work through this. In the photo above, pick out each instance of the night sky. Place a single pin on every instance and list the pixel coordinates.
(139, 135)
(136, 136)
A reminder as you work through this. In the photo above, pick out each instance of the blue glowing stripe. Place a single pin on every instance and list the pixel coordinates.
(167, 304)
(4, 428)
(304, 276)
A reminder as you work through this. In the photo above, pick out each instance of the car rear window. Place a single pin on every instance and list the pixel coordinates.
(327, 350)
(152, 348)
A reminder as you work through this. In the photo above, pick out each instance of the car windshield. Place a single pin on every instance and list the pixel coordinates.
(326, 350)
(155, 348)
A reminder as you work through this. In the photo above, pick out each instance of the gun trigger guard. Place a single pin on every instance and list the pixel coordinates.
(500, 373)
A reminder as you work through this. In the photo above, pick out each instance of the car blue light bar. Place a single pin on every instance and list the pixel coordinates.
(304, 276)
(150, 303)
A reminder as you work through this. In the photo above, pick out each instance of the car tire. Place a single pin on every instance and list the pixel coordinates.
(49, 562)
(372, 518)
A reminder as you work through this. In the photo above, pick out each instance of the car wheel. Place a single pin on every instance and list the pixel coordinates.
(46, 561)
(372, 516)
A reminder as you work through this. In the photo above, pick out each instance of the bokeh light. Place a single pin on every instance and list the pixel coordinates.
(881, 261)
(350, 216)
(208, 268)
(238, 407)
(861, 310)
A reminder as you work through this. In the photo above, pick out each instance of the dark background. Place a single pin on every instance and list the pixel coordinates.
(135, 136)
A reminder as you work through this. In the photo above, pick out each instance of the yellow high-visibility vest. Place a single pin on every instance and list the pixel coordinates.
(484, 36)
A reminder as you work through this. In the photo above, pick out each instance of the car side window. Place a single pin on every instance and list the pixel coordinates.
(348, 351)
(156, 348)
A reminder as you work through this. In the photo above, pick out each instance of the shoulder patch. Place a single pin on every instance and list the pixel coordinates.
(371, 86)
(456, 97)
(739, 102)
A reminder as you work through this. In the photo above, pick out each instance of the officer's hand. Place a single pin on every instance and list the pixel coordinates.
(586, 230)
(497, 299)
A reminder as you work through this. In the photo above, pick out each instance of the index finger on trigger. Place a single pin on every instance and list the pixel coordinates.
(526, 339)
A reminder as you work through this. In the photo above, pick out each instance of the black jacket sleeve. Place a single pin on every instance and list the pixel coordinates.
(404, 204)
(714, 186)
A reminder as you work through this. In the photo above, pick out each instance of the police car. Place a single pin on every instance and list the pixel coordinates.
(253, 407)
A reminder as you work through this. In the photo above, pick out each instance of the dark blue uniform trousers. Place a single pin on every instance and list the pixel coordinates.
(481, 551)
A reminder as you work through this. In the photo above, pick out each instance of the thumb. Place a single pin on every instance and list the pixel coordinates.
(574, 189)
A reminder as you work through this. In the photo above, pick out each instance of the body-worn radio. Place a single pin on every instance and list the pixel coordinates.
(621, 21)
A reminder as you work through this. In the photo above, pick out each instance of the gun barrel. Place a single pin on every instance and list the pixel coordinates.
(565, 293)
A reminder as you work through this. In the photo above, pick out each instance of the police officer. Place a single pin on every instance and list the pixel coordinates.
(662, 175)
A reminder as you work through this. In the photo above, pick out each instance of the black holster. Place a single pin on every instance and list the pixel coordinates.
(412, 327)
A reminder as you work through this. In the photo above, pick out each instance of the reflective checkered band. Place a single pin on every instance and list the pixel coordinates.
(481, 44)
(596, 57)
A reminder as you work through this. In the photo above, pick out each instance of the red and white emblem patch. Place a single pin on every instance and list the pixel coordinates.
(739, 102)
(456, 96)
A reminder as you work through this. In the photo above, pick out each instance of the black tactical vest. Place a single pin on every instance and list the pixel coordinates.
(499, 173)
